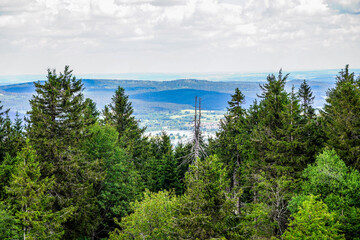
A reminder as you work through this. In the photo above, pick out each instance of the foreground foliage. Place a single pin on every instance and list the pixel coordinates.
(313, 221)
(152, 218)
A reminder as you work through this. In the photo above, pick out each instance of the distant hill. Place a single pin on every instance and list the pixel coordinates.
(152, 96)
(19, 88)
(210, 100)
(142, 86)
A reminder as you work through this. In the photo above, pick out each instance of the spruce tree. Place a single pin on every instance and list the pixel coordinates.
(278, 134)
(278, 146)
(4, 131)
(12, 144)
(181, 153)
(237, 99)
(56, 121)
(15, 139)
(291, 146)
(119, 113)
(56, 129)
(30, 201)
(274, 98)
(206, 210)
(312, 133)
(306, 100)
(161, 168)
(268, 132)
(91, 114)
(9, 228)
(232, 143)
(341, 115)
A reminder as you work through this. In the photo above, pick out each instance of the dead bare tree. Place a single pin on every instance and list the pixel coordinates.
(197, 150)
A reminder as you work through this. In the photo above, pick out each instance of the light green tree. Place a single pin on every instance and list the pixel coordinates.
(30, 201)
(9, 229)
(313, 221)
(337, 186)
(152, 218)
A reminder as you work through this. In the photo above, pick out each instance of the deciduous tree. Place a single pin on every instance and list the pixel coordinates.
(313, 221)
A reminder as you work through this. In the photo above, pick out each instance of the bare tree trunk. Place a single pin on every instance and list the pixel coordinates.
(197, 150)
(196, 131)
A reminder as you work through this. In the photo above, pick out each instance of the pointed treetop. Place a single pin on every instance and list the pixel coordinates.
(273, 85)
(237, 99)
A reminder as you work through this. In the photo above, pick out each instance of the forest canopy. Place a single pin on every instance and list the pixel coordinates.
(279, 169)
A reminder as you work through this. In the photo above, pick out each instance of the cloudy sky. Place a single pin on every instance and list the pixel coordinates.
(116, 36)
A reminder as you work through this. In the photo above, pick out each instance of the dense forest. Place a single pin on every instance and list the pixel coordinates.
(279, 169)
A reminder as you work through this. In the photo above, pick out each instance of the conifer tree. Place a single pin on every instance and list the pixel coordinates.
(30, 200)
(251, 166)
(306, 100)
(9, 228)
(232, 143)
(120, 183)
(15, 139)
(278, 134)
(12, 144)
(273, 101)
(181, 152)
(312, 133)
(267, 135)
(119, 113)
(278, 149)
(341, 115)
(161, 168)
(291, 146)
(56, 129)
(206, 210)
(4, 131)
(56, 121)
(91, 112)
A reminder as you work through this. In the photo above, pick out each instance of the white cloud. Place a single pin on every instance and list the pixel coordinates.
(178, 35)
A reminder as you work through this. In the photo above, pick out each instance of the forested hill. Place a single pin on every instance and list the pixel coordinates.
(153, 94)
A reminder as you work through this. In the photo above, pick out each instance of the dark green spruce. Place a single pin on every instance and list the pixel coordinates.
(56, 129)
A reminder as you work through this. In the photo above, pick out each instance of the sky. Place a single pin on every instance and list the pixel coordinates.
(169, 36)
